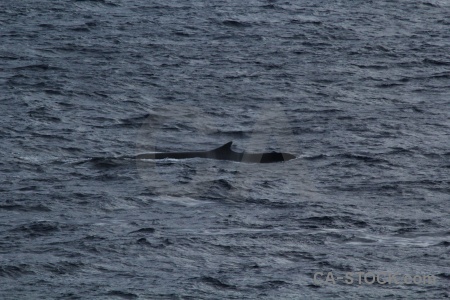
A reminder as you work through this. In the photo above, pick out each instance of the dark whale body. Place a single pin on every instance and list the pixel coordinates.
(223, 153)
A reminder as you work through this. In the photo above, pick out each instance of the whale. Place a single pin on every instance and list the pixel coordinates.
(224, 152)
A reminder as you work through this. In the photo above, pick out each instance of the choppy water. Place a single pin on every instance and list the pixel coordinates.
(359, 90)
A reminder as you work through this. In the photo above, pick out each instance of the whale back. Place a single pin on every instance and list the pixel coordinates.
(223, 152)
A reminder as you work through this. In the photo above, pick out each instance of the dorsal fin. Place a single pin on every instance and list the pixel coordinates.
(225, 147)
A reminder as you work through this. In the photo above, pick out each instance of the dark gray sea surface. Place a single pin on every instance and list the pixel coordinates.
(359, 91)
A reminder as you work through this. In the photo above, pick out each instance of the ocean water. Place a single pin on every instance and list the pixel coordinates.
(359, 91)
